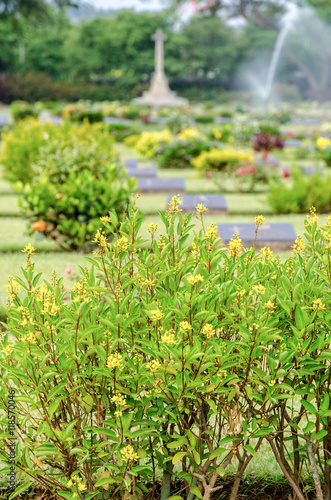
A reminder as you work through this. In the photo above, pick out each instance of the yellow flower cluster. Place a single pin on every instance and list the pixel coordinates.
(267, 253)
(7, 350)
(78, 482)
(174, 205)
(193, 280)
(269, 305)
(122, 243)
(208, 330)
(119, 400)
(299, 245)
(220, 158)
(25, 316)
(128, 453)
(212, 231)
(80, 291)
(185, 326)
(149, 142)
(169, 337)
(323, 143)
(30, 338)
(156, 315)
(318, 305)
(105, 220)
(195, 249)
(152, 228)
(115, 361)
(259, 221)
(200, 209)
(259, 289)
(217, 134)
(312, 217)
(29, 250)
(235, 247)
(153, 365)
(12, 288)
(188, 133)
(101, 240)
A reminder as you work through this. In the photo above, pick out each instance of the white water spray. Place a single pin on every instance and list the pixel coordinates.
(287, 22)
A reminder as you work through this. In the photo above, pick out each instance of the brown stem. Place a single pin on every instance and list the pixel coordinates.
(317, 481)
(295, 487)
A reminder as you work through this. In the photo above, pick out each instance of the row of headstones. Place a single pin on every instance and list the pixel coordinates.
(277, 236)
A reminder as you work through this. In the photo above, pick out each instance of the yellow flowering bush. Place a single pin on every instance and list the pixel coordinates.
(192, 355)
(220, 159)
(323, 149)
(148, 143)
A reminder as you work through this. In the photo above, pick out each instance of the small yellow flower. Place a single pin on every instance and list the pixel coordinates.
(152, 228)
(269, 305)
(156, 315)
(318, 305)
(122, 243)
(174, 205)
(128, 453)
(200, 209)
(212, 231)
(119, 399)
(267, 253)
(169, 337)
(208, 330)
(185, 326)
(29, 249)
(153, 365)
(259, 220)
(7, 350)
(115, 361)
(235, 247)
(105, 219)
(312, 217)
(299, 245)
(195, 279)
(323, 143)
(259, 288)
(118, 413)
(272, 382)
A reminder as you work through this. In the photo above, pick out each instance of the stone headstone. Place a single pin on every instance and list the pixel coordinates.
(223, 119)
(131, 162)
(112, 120)
(3, 120)
(141, 172)
(293, 143)
(215, 203)
(161, 185)
(277, 235)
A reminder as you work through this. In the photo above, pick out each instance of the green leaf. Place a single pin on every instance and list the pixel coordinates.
(250, 450)
(195, 491)
(178, 456)
(105, 480)
(309, 427)
(20, 489)
(299, 319)
(311, 408)
(217, 453)
(318, 435)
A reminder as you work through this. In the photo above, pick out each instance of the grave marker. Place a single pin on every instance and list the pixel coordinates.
(277, 235)
(165, 185)
(141, 172)
(131, 162)
(292, 143)
(215, 203)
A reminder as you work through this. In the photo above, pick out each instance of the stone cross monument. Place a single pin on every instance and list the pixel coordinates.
(159, 93)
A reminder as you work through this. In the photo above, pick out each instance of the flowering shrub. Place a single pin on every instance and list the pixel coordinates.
(178, 153)
(148, 143)
(222, 134)
(323, 149)
(191, 355)
(21, 110)
(20, 147)
(267, 142)
(301, 194)
(220, 159)
(74, 185)
(189, 133)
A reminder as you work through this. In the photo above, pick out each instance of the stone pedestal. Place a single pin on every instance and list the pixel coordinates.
(159, 93)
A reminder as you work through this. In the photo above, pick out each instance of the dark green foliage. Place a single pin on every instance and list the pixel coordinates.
(302, 193)
(178, 154)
